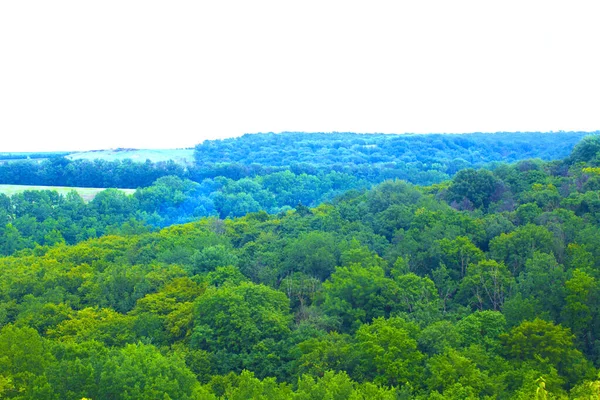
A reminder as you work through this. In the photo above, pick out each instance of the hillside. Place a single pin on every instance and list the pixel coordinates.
(329, 149)
(485, 286)
(276, 172)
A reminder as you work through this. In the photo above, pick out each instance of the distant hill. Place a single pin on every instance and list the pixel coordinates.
(450, 152)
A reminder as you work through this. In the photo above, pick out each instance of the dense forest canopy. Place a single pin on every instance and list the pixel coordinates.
(482, 286)
(329, 149)
(419, 159)
(233, 177)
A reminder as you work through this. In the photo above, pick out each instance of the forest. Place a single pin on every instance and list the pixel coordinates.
(419, 159)
(233, 177)
(479, 284)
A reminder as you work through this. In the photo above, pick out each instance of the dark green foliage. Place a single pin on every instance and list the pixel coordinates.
(586, 150)
(472, 189)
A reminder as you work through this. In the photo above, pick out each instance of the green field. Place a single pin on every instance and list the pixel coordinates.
(180, 156)
(86, 193)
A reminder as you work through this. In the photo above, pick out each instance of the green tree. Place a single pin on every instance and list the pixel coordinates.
(253, 312)
(355, 295)
(209, 258)
(314, 253)
(24, 358)
(546, 343)
(388, 353)
(458, 253)
(580, 312)
(487, 285)
(516, 247)
(140, 371)
(449, 369)
(476, 186)
(334, 351)
(586, 150)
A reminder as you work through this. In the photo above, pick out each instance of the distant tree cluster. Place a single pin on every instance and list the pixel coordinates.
(60, 171)
(419, 159)
(271, 172)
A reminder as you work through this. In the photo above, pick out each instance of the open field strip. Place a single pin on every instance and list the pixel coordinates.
(86, 193)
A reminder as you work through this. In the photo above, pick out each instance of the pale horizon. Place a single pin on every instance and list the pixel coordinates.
(89, 76)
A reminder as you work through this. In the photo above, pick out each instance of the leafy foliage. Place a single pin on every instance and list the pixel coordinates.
(400, 291)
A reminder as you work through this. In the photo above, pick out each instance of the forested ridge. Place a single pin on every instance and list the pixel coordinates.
(233, 177)
(483, 286)
(416, 158)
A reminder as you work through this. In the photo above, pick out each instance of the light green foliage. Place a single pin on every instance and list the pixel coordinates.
(356, 295)
(333, 351)
(301, 289)
(586, 150)
(579, 257)
(357, 254)
(539, 384)
(253, 312)
(86, 193)
(24, 358)
(457, 254)
(545, 342)
(172, 306)
(448, 370)
(541, 273)
(527, 213)
(415, 295)
(437, 337)
(580, 312)
(482, 328)
(331, 386)
(516, 247)
(486, 285)
(388, 352)
(314, 253)
(227, 275)
(103, 325)
(338, 386)
(588, 390)
(140, 371)
(391, 193)
(246, 386)
(209, 258)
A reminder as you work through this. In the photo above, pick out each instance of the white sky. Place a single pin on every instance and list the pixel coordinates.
(103, 74)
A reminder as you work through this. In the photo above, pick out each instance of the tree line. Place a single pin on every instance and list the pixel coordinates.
(419, 159)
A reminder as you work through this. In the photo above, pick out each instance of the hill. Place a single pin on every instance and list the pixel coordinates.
(485, 286)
